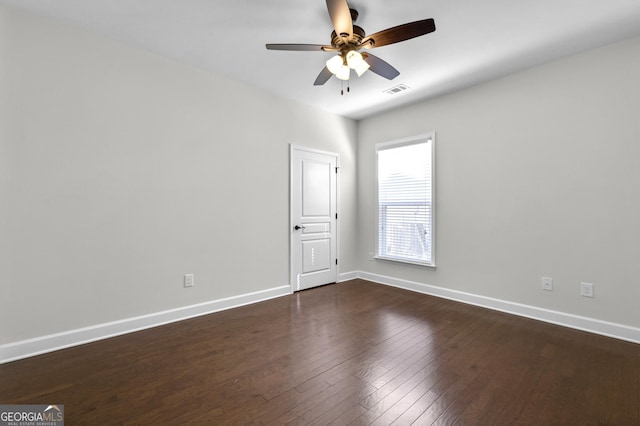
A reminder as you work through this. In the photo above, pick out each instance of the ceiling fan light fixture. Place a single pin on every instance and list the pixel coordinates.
(337, 66)
(361, 68)
(343, 73)
(354, 58)
(334, 64)
(356, 62)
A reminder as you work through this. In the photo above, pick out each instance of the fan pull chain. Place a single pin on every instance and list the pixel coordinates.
(342, 88)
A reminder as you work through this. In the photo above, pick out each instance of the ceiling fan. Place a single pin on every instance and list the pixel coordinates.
(348, 39)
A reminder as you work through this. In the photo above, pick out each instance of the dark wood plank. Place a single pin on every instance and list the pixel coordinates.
(350, 353)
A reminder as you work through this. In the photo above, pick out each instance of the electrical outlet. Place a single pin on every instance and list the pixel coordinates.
(188, 280)
(371, 255)
(586, 289)
(547, 284)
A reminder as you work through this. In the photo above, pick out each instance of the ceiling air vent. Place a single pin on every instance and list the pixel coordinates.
(397, 89)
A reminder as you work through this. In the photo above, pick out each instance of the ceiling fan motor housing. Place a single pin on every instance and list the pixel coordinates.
(341, 43)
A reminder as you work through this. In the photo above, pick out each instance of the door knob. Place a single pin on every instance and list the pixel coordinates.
(298, 227)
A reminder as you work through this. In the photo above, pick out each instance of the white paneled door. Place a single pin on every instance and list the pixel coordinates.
(314, 258)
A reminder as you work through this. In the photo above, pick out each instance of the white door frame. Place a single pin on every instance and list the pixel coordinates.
(293, 220)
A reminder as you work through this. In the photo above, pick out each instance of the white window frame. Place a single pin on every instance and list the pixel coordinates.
(431, 136)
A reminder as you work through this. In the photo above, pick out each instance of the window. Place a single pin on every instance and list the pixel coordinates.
(405, 200)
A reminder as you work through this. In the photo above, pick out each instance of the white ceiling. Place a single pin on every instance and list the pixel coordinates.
(475, 41)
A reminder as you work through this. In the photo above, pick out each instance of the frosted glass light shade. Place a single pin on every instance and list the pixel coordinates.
(361, 68)
(354, 58)
(343, 72)
(334, 64)
(357, 62)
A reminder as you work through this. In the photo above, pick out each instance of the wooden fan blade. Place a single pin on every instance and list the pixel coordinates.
(340, 17)
(380, 66)
(300, 47)
(400, 33)
(322, 78)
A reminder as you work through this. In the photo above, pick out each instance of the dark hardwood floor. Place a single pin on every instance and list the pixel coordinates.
(350, 353)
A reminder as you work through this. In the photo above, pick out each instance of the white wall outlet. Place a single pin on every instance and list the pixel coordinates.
(371, 255)
(547, 283)
(586, 289)
(188, 280)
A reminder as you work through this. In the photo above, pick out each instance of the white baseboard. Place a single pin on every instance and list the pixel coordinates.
(40, 345)
(346, 276)
(609, 329)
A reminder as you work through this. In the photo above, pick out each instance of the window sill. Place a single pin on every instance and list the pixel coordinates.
(425, 265)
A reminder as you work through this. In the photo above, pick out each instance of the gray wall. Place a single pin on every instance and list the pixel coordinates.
(538, 174)
(121, 171)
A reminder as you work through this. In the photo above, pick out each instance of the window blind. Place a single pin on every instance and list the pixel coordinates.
(405, 201)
